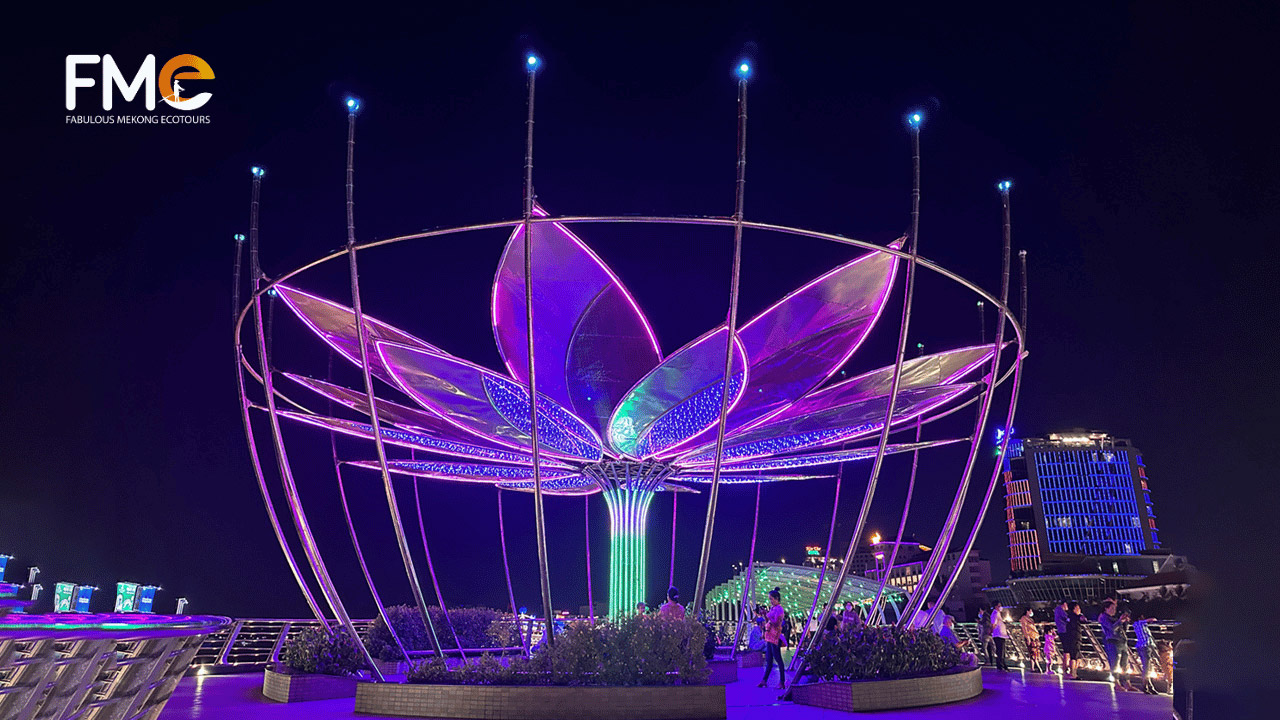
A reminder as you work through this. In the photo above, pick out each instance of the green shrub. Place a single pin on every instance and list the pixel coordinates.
(638, 650)
(315, 651)
(882, 653)
(478, 628)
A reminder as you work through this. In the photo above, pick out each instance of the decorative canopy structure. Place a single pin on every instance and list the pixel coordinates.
(616, 415)
(588, 401)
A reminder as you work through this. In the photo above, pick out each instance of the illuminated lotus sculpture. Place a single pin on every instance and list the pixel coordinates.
(616, 415)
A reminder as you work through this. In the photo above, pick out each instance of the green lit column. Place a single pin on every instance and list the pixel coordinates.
(628, 519)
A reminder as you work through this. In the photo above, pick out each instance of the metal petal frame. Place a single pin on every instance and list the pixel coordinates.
(614, 416)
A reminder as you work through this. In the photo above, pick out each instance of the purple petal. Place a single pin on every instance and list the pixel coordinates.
(486, 403)
(679, 399)
(825, 427)
(336, 325)
(593, 342)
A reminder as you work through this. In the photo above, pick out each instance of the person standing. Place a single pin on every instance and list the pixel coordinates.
(1071, 640)
(1061, 617)
(986, 646)
(773, 639)
(1146, 644)
(850, 619)
(1123, 657)
(1000, 634)
(672, 608)
(1050, 647)
(1031, 636)
(1111, 624)
(641, 608)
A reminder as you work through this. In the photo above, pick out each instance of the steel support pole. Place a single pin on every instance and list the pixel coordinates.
(506, 570)
(276, 529)
(539, 516)
(748, 583)
(934, 565)
(826, 560)
(431, 572)
(903, 327)
(310, 549)
(671, 571)
(362, 337)
(586, 525)
(962, 561)
(872, 612)
(732, 337)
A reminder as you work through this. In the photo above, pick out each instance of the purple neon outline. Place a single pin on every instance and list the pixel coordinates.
(355, 428)
(828, 458)
(746, 380)
(324, 336)
(701, 478)
(830, 389)
(881, 301)
(322, 388)
(742, 391)
(404, 387)
(942, 399)
(539, 211)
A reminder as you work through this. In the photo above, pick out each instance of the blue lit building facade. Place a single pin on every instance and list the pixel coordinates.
(1074, 500)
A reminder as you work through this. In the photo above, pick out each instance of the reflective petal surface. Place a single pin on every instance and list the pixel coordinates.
(336, 325)
(592, 341)
(827, 426)
(787, 462)
(486, 403)
(679, 399)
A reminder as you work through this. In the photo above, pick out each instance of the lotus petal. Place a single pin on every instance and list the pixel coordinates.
(415, 441)
(419, 421)
(568, 485)
(465, 472)
(486, 403)
(592, 341)
(679, 399)
(827, 426)
(336, 325)
(927, 371)
(829, 458)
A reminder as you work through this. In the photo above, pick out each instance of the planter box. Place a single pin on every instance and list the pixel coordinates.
(723, 671)
(865, 695)
(750, 659)
(283, 687)
(492, 702)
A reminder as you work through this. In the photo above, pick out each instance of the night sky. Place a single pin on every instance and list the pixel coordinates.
(1145, 194)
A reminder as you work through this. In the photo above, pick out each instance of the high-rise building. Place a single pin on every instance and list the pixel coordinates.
(1076, 495)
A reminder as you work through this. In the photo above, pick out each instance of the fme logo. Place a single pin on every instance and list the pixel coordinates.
(166, 85)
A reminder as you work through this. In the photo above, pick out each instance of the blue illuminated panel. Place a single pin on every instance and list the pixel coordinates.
(1089, 502)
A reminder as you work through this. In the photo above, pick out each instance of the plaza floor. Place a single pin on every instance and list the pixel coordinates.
(233, 697)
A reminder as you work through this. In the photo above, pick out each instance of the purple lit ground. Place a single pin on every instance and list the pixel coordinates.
(231, 697)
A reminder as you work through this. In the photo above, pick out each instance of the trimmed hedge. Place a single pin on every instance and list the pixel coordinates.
(317, 652)
(882, 653)
(477, 627)
(638, 650)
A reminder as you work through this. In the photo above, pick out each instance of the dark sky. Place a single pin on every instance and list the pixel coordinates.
(1145, 195)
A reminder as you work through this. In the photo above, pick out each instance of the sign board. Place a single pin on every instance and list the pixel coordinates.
(813, 550)
(63, 595)
(126, 597)
(83, 593)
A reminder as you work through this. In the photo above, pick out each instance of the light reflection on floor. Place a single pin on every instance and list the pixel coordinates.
(1005, 695)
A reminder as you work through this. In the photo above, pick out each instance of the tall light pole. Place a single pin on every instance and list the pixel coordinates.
(743, 72)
